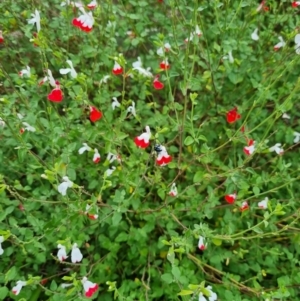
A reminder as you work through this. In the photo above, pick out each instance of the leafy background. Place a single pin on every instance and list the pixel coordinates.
(144, 243)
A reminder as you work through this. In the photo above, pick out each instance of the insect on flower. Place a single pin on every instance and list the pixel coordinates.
(95, 115)
(16, 289)
(76, 255)
(117, 69)
(232, 116)
(89, 287)
(230, 198)
(163, 158)
(142, 141)
(56, 94)
(157, 84)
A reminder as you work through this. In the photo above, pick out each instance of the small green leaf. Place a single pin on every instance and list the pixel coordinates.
(188, 140)
(185, 293)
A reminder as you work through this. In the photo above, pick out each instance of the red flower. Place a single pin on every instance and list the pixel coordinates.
(296, 4)
(164, 65)
(92, 4)
(142, 141)
(230, 198)
(56, 95)
(89, 287)
(249, 150)
(244, 206)
(1, 37)
(85, 21)
(163, 158)
(95, 114)
(117, 69)
(157, 84)
(233, 116)
(92, 216)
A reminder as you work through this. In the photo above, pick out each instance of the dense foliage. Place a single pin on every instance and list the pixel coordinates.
(215, 84)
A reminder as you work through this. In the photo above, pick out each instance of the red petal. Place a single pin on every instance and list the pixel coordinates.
(91, 291)
(56, 95)
(1, 40)
(164, 66)
(141, 142)
(158, 85)
(229, 199)
(164, 160)
(95, 114)
(97, 160)
(117, 71)
(202, 247)
(233, 116)
(76, 22)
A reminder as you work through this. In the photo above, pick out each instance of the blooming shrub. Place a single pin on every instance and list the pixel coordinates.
(149, 150)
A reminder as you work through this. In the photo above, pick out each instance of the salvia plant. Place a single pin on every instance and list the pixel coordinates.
(149, 150)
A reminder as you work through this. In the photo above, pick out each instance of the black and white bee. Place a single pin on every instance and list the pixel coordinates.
(157, 148)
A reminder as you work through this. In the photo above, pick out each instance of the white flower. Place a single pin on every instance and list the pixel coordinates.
(197, 31)
(264, 203)
(249, 150)
(280, 44)
(104, 79)
(109, 171)
(35, 19)
(1, 241)
(286, 116)
(20, 116)
(115, 103)
(254, 35)
(96, 157)
(131, 109)
(70, 70)
(229, 57)
(173, 190)
(201, 243)
(112, 157)
(84, 148)
(62, 188)
(161, 51)
(76, 255)
(2, 122)
(16, 289)
(277, 149)
(25, 72)
(92, 4)
(61, 254)
(72, 3)
(138, 67)
(50, 78)
(212, 296)
(297, 137)
(28, 127)
(297, 42)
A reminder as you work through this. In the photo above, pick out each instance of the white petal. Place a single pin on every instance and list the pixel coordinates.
(64, 71)
(76, 255)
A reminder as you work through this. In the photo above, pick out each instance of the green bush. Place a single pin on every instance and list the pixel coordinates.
(206, 207)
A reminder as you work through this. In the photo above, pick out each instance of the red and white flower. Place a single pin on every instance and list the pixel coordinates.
(162, 50)
(89, 287)
(92, 5)
(62, 187)
(297, 42)
(85, 21)
(117, 69)
(35, 19)
(244, 206)
(92, 216)
(97, 157)
(264, 203)
(25, 72)
(49, 78)
(70, 70)
(138, 66)
(232, 116)
(295, 3)
(164, 65)
(196, 32)
(62, 253)
(112, 157)
(56, 94)
(297, 137)
(84, 148)
(72, 3)
(28, 127)
(230, 198)
(262, 6)
(277, 149)
(157, 84)
(163, 158)
(76, 255)
(254, 35)
(143, 140)
(1, 241)
(95, 115)
(131, 109)
(16, 289)
(115, 103)
(280, 44)
(109, 171)
(201, 243)
(249, 150)
(173, 191)
(1, 37)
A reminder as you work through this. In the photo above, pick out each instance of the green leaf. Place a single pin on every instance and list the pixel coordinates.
(188, 140)
(168, 278)
(198, 177)
(11, 274)
(117, 216)
(185, 293)
(3, 292)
